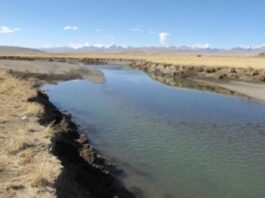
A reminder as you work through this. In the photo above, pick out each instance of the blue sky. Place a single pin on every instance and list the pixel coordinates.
(219, 23)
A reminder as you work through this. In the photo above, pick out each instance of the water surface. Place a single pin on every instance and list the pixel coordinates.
(171, 142)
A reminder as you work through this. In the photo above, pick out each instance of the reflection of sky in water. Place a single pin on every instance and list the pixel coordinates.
(174, 142)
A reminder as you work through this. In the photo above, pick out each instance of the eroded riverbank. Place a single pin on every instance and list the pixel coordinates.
(211, 78)
(33, 131)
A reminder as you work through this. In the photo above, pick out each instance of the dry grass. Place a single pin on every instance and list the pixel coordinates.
(16, 86)
(216, 60)
(27, 168)
(49, 131)
(45, 173)
(34, 108)
(19, 142)
(14, 186)
(193, 60)
(26, 157)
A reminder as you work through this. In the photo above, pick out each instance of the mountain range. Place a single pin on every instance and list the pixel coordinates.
(139, 50)
(156, 50)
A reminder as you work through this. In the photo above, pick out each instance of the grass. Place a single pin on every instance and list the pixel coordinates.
(34, 108)
(45, 173)
(26, 157)
(14, 186)
(48, 130)
(26, 165)
(16, 87)
(187, 59)
(19, 143)
(211, 60)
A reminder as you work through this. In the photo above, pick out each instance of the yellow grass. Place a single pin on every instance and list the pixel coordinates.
(215, 60)
(19, 142)
(27, 167)
(193, 60)
(45, 173)
(16, 87)
(34, 108)
(48, 131)
(26, 157)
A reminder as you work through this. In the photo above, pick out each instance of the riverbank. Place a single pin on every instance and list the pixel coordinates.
(210, 77)
(41, 147)
(42, 152)
(241, 68)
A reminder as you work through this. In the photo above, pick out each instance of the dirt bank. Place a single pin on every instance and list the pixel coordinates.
(211, 78)
(247, 74)
(42, 152)
(252, 90)
(47, 71)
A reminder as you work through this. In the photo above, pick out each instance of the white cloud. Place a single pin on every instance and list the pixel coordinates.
(252, 46)
(107, 46)
(81, 45)
(201, 46)
(6, 29)
(78, 45)
(164, 37)
(70, 27)
(137, 28)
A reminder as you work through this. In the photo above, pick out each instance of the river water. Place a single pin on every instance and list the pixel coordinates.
(171, 142)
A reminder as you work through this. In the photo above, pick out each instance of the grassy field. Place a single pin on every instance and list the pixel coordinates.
(211, 60)
(191, 60)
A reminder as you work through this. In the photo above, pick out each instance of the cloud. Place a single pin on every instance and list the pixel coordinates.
(81, 45)
(98, 30)
(70, 27)
(6, 29)
(164, 37)
(261, 46)
(137, 28)
(201, 46)
(106, 46)
(78, 45)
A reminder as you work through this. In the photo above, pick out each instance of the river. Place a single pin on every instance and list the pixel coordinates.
(169, 141)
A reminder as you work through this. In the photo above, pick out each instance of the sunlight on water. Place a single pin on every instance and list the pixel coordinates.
(171, 142)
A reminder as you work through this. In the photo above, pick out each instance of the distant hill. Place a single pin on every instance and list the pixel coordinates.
(9, 50)
(262, 54)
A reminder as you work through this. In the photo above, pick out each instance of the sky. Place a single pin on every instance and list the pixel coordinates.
(77, 23)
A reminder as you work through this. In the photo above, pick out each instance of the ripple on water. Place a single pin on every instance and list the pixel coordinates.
(176, 143)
